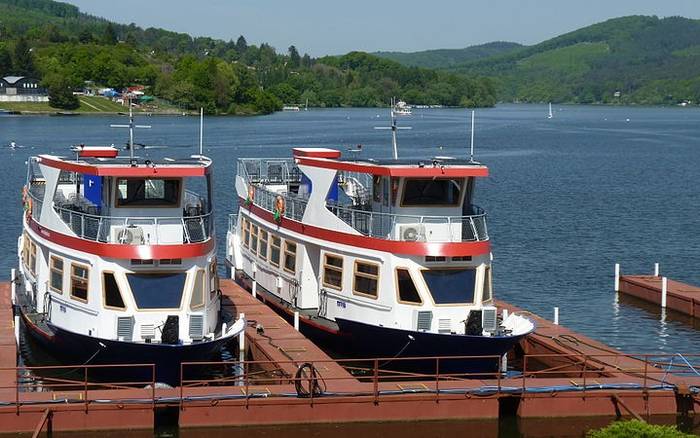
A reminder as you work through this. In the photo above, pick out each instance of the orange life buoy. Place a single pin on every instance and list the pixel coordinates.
(279, 208)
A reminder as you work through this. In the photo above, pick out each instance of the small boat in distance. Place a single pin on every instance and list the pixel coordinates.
(381, 258)
(291, 108)
(551, 114)
(401, 108)
(118, 261)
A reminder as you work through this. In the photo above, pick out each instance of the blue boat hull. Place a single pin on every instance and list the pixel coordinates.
(395, 345)
(71, 348)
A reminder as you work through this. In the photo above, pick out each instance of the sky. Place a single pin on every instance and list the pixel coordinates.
(330, 27)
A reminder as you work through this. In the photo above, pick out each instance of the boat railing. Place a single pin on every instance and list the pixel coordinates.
(130, 230)
(421, 228)
(269, 171)
(294, 205)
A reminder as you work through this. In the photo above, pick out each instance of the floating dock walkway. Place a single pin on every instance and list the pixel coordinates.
(659, 290)
(285, 378)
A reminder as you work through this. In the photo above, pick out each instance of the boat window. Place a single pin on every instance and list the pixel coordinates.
(408, 293)
(56, 282)
(275, 249)
(170, 262)
(253, 238)
(198, 290)
(32, 257)
(148, 192)
(428, 191)
(366, 281)
(245, 226)
(450, 286)
(377, 188)
(486, 293)
(333, 271)
(141, 262)
(79, 282)
(157, 291)
(213, 278)
(262, 252)
(290, 257)
(25, 250)
(113, 296)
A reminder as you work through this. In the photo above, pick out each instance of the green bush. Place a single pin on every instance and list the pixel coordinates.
(637, 429)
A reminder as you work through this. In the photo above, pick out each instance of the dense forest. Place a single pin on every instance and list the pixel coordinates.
(628, 60)
(65, 48)
(446, 58)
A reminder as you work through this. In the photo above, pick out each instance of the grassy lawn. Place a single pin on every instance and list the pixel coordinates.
(88, 104)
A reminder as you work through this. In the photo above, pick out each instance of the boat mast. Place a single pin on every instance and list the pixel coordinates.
(131, 127)
(201, 132)
(471, 146)
(394, 128)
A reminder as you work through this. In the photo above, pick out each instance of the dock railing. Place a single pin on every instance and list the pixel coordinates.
(375, 380)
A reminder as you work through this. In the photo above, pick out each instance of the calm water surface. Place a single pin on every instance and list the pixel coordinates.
(567, 197)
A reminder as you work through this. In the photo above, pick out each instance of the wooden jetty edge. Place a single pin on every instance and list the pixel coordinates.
(562, 374)
(668, 294)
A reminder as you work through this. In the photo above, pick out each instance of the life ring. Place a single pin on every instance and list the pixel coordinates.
(279, 208)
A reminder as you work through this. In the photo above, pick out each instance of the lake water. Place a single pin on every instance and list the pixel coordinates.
(567, 197)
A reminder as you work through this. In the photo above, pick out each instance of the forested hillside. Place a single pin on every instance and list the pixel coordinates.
(446, 58)
(65, 48)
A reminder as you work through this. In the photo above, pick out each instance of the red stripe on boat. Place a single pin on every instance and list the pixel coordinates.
(447, 249)
(126, 170)
(411, 171)
(122, 251)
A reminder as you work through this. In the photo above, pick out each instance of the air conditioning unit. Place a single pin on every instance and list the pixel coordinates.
(148, 331)
(424, 320)
(489, 320)
(129, 235)
(412, 233)
(196, 331)
(125, 328)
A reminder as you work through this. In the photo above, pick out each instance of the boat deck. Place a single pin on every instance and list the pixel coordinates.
(562, 374)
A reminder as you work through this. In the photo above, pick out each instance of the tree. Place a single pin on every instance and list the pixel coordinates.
(306, 61)
(5, 62)
(109, 36)
(24, 60)
(85, 36)
(294, 58)
(241, 45)
(61, 93)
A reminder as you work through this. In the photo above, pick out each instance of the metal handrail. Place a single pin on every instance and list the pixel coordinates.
(471, 228)
(98, 228)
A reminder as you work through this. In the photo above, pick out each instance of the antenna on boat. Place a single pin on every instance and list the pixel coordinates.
(201, 132)
(393, 128)
(131, 127)
(471, 145)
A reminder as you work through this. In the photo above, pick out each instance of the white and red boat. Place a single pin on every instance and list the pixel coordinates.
(381, 258)
(118, 260)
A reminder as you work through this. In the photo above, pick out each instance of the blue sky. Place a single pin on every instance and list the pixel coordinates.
(322, 27)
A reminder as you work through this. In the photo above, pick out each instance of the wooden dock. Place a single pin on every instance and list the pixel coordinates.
(680, 297)
(596, 380)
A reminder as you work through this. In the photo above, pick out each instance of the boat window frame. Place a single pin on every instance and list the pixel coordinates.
(450, 268)
(104, 292)
(287, 255)
(32, 257)
(245, 228)
(177, 204)
(488, 281)
(415, 284)
(271, 260)
(254, 237)
(366, 275)
(213, 277)
(25, 250)
(331, 267)
(73, 265)
(203, 288)
(52, 268)
(262, 232)
(458, 202)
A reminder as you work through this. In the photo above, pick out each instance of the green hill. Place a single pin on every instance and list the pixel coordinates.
(647, 60)
(445, 58)
(65, 48)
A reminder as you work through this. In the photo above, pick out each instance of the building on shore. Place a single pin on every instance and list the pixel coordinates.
(22, 89)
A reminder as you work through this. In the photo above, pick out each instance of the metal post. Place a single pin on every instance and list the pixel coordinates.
(664, 291)
(656, 269)
(556, 316)
(617, 277)
(241, 352)
(375, 379)
(503, 367)
(13, 285)
(254, 289)
(296, 320)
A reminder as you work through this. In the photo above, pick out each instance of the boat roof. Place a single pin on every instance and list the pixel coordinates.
(430, 167)
(123, 166)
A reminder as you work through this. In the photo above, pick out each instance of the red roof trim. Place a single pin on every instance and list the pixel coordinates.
(98, 152)
(124, 170)
(316, 152)
(392, 246)
(398, 171)
(117, 251)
